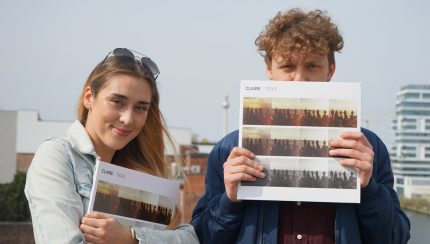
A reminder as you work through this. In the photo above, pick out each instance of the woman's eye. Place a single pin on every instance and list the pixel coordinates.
(117, 102)
(142, 108)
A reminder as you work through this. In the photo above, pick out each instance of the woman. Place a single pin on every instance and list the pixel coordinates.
(120, 123)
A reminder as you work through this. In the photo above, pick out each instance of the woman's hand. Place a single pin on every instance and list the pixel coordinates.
(102, 228)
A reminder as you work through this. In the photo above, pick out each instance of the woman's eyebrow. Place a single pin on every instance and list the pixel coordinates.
(126, 98)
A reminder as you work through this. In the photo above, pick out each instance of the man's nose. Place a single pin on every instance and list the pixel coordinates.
(299, 75)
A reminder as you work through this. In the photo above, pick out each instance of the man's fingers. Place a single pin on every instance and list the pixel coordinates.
(244, 169)
(362, 166)
(350, 153)
(242, 160)
(355, 135)
(353, 144)
(240, 151)
(240, 177)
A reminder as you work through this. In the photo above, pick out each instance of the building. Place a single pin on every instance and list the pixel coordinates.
(20, 137)
(410, 153)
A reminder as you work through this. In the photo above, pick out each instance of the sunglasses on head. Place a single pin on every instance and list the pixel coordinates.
(127, 56)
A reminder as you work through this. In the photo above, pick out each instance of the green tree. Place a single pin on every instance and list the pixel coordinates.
(14, 205)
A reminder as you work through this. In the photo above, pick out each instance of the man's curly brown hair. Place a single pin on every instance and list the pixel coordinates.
(295, 30)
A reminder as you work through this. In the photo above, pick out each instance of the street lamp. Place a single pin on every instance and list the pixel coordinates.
(225, 104)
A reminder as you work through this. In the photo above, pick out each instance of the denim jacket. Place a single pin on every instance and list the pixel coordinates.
(58, 188)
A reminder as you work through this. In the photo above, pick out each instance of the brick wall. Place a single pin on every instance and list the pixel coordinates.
(191, 192)
(194, 186)
(23, 161)
(16, 232)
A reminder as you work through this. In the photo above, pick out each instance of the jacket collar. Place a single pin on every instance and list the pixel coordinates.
(80, 140)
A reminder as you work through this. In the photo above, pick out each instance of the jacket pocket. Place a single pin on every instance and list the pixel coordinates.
(84, 184)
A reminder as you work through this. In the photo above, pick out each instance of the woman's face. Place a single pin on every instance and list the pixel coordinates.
(117, 114)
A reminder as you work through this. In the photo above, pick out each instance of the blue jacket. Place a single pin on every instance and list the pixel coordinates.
(377, 219)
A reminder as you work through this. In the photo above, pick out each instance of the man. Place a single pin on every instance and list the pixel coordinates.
(299, 46)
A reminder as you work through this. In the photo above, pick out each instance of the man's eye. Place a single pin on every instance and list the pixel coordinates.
(287, 66)
(313, 66)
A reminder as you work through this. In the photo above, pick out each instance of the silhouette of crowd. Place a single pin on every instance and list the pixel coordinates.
(287, 147)
(299, 117)
(132, 209)
(257, 116)
(257, 145)
(304, 148)
(306, 179)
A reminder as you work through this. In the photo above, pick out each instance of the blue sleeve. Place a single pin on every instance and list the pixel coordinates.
(215, 218)
(380, 216)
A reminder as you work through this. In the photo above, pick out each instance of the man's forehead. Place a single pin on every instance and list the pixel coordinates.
(299, 56)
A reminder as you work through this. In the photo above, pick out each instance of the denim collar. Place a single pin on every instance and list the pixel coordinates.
(80, 140)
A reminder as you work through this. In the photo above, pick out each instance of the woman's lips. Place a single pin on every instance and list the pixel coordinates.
(122, 132)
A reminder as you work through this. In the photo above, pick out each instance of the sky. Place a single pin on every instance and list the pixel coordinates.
(203, 50)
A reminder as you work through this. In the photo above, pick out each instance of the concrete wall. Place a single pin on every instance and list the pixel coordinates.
(180, 136)
(8, 123)
(31, 132)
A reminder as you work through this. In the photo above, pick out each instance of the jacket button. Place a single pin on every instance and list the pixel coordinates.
(299, 236)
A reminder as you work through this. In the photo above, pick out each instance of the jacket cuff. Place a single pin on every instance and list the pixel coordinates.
(228, 207)
(369, 193)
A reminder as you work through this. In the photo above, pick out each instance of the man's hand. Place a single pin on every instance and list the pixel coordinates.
(358, 152)
(240, 166)
(102, 228)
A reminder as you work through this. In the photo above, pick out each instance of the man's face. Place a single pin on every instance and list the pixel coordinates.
(300, 67)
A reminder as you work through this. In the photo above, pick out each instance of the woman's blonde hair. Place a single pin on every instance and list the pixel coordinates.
(146, 152)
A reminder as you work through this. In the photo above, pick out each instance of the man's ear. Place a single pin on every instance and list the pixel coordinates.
(269, 71)
(88, 98)
(331, 70)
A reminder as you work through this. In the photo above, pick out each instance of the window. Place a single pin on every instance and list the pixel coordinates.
(413, 112)
(408, 148)
(422, 134)
(415, 104)
(411, 95)
(415, 141)
(409, 127)
(421, 182)
(409, 120)
(410, 162)
(416, 170)
(409, 155)
(195, 169)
